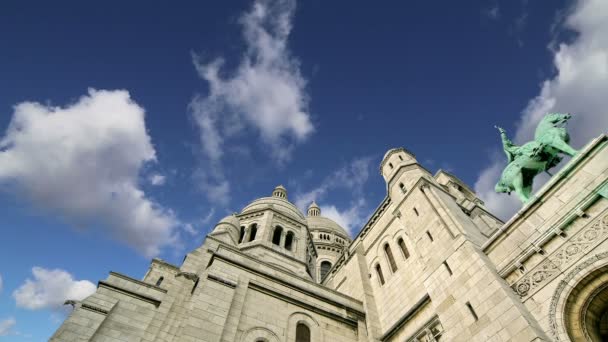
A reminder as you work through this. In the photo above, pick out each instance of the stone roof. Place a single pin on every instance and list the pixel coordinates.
(279, 204)
(324, 223)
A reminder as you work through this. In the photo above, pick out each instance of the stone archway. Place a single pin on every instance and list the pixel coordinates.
(586, 309)
(579, 308)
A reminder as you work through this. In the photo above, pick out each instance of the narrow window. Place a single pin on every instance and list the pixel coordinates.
(379, 274)
(242, 234)
(302, 333)
(325, 267)
(391, 165)
(400, 158)
(289, 241)
(473, 313)
(416, 211)
(402, 187)
(389, 256)
(429, 235)
(159, 281)
(276, 236)
(406, 253)
(254, 230)
(447, 267)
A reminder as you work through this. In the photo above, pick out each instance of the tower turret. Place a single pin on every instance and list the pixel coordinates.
(401, 171)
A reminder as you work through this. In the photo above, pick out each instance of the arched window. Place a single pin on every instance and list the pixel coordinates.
(325, 267)
(401, 243)
(302, 333)
(254, 230)
(242, 234)
(379, 274)
(389, 256)
(159, 281)
(402, 187)
(289, 241)
(276, 236)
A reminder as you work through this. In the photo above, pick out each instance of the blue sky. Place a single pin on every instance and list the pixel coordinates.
(127, 130)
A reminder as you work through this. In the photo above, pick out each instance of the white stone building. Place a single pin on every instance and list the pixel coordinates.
(431, 264)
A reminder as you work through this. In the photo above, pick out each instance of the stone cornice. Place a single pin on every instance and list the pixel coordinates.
(349, 320)
(292, 284)
(165, 264)
(129, 293)
(138, 282)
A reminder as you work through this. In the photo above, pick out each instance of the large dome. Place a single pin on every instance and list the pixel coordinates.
(279, 204)
(323, 223)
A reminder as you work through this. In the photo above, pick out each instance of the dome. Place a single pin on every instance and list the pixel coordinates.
(324, 223)
(277, 203)
(231, 220)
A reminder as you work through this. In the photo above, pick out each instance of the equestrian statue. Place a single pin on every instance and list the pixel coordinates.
(534, 157)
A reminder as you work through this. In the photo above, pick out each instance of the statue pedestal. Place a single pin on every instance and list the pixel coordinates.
(557, 239)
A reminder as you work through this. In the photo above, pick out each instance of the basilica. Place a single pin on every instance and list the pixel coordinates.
(432, 263)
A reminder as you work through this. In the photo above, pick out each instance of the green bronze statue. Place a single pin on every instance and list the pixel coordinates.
(534, 157)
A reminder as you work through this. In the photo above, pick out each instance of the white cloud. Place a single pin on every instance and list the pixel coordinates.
(265, 94)
(6, 326)
(351, 177)
(579, 87)
(157, 179)
(83, 162)
(50, 289)
(350, 219)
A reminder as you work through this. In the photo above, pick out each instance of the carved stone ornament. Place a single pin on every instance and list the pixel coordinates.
(574, 249)
(561, 287)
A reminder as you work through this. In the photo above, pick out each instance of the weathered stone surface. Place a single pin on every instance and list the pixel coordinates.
(431, 263)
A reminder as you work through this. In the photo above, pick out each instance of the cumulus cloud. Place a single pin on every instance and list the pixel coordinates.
(50, 288)
(350, 218)
(6, 326)
(351, 177)
(265, 94)
(579, 86)
(82, 161)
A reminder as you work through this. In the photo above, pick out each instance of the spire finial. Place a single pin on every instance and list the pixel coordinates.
(280, 192)
(313, 209)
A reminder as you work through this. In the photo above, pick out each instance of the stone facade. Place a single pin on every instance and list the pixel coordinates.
(431, 264)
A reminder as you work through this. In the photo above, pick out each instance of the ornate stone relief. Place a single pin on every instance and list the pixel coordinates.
(571, 251)
(563, 284)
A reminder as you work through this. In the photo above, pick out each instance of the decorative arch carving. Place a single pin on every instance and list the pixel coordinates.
(259, 333)
(300, 317)
(557, 321)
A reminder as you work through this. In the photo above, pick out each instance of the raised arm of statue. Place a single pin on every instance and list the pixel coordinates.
(507, 145)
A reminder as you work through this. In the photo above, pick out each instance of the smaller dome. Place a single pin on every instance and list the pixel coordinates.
(280, 192)
(326, 224)
(313, 209)
(230, 220)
